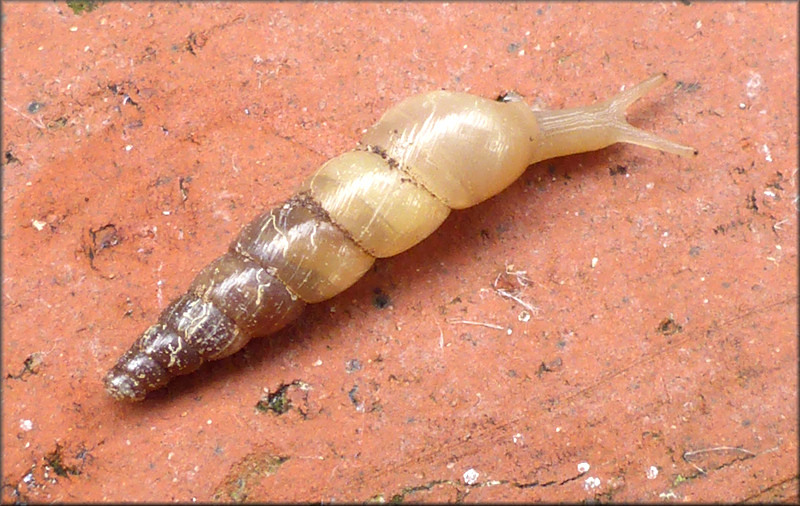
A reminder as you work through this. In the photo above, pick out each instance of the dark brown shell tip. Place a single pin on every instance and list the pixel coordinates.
(122, 387)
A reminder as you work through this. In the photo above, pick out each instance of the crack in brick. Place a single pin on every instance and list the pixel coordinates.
(463, 490)
(775, 492)
(30, 366)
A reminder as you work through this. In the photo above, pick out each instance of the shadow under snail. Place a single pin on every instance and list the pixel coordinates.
(426, 156)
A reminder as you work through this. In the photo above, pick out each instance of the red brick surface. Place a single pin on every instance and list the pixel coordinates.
(138, 138)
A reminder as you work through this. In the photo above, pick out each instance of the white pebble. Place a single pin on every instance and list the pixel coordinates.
(471, 476)
(591, 482)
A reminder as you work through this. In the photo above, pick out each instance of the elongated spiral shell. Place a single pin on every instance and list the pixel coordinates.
(429, 154)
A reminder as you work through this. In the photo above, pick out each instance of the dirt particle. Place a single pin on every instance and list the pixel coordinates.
(35, 107)
(55, 460)
(81, 6)
(278, 402)
(551, 366)
(668, 327)
(687, 87)
(751, 201)
(353, 365)
(379, 299)
(275, 402)
(105, 237)
(247, 473)
(30, 366)
(57, 123)
(10, 158)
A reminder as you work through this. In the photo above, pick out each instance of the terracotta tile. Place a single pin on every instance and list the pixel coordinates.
(138, 138)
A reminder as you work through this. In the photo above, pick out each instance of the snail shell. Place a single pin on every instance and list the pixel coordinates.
(426, 156)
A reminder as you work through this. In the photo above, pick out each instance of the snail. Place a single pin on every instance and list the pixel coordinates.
(426, 156)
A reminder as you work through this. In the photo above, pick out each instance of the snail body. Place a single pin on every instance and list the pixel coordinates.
(426, 156)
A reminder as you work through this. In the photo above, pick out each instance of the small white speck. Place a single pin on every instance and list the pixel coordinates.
(208, 422)
(38, 225)
(317, 363)
(521, 52)
(767, 154)
(753, 84)
(652, 473)
(128, 147)
(558, 429)
(517, 438)
(698, 25)
(594, 262)
(537, 47)
(26, 425)
(471, 476)
(128, 442)
(73, 29)
(742, 105)
(591, 482)
(650, 186)
(527, 33)
(165, 213)
(170, 455)
(509, 331)
(583, 467)
(28, 478)
(524, 316)
(769, 193)
(705, 301)
(86, 49)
